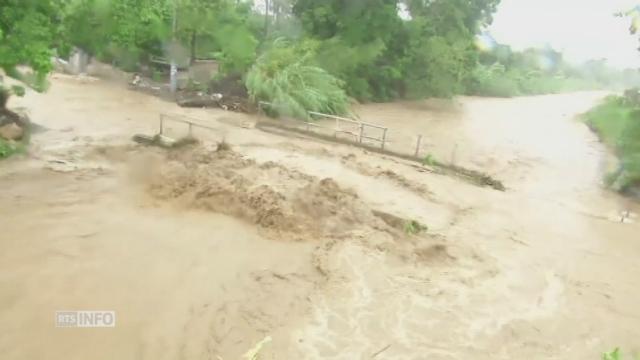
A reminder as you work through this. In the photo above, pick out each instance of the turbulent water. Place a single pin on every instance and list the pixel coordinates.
(202, 254)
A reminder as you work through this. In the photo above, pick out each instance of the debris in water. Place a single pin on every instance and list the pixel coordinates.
(254, 353)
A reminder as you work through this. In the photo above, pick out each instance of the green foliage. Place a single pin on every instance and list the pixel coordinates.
(218, 27)
(375, 52)
(502, 72)
(617, 122)
(29, 30)
(609, 119)
(437, 67)
(441, 54)
(351, 63)
(629, 150)
(413, 227)
(17, 90)
(382, 56)
(120, 31)
(157, 76)
(366, 58)
(493, 81)
(237, 48)
(284, 76)
(129, 32)
(430, 160)
(615, 355)
(8, 148)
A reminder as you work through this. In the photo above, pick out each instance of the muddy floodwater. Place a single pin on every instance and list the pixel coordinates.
(203, 252)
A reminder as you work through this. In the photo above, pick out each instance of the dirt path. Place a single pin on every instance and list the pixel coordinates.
(203, 253)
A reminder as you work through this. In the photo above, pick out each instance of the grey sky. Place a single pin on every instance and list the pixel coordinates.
(583, 29)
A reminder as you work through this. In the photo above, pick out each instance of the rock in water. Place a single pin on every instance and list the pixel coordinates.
(11, 132)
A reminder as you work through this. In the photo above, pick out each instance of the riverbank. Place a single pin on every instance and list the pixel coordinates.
(616, 121)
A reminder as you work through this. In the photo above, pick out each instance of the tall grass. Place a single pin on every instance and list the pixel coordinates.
(285, 77)
(617, 122)
(609, 119)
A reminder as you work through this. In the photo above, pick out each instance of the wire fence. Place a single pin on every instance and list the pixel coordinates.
(358, 133)
(355, 130)
(339, 127)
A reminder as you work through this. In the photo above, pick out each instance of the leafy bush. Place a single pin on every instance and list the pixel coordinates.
(618, 125)
(615, 355)
(629, 150)
(130, 32)
(7, 149)
(351, 63)
(492, 81)
(29, 30)
(609, 119)
(285, 77)
(502, 71)
(430, 160)
(237, 48)
(381, 55)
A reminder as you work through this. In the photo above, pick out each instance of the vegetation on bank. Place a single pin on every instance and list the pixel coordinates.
(617, 122)
(615, 355)
(503, 72)
(377, 50)
(7, 148)
(496, 81)
(367, 50)
(286, 77)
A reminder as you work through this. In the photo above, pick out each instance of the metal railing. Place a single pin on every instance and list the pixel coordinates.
(191, 123)
(359, 134)
(358, 130)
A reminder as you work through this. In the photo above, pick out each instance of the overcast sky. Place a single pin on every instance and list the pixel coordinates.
(583, 29)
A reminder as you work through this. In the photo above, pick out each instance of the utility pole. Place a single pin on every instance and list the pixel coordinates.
(174, 68)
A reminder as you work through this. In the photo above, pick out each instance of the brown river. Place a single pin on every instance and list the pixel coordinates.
(203, 254)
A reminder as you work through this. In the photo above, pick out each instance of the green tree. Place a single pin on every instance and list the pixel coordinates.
(29, 32)
(222, 26)
(427, 52)
(442, 55)
(368, 36)
(129, 32)
(120, 31)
